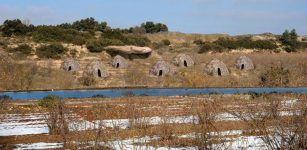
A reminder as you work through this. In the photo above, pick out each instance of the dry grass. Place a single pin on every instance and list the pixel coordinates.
(176, 37)
(205, 107)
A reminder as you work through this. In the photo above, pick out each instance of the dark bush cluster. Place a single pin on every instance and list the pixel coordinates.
(245, 43)
(54, 51)
(275, 76)
(15, 27)
(166, 42)
(223, 44)
(289, 40)
(151, 27)
(55, 34)
(88, 24)
(207, 47)
(23, 48)
(116, 38)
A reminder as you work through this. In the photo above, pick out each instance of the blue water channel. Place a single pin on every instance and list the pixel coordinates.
(31, 95)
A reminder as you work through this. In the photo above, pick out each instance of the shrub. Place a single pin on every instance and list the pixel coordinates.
(152, 27)
(54, 51)
(14, 27)
(24, 49)
(115, 37)
(48, 102)
(94, 46)
(210, 47)
(166, 42)
(245, 42)
(275, 76)
(87, 81)
(57, 34)
(199, 42)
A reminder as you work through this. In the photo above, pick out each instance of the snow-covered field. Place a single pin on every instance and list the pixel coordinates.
(22, 124)
(40, 145)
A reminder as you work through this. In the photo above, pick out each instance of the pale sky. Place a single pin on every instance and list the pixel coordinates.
(188, 16)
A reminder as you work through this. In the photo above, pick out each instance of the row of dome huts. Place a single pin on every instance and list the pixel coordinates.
(161, 68)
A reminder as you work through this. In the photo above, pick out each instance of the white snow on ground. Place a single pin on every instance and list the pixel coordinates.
(289, 103)
(18, 124)
(244, 142)
(140, 144)
(40, 145)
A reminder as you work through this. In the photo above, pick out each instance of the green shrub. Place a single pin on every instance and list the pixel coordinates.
(210, 47)
(275, 76)
(23, 48)
(199, 42)
(87, 81)
(152, 27)
(15, 27)
(49, 102)
(94, 46)
(57, 34)
(246, 42)
(166, 42)
(54, 51)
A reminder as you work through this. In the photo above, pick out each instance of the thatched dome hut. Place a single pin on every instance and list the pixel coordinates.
(70, 64)
(96, 69)
(183, 60)
(216, 68)
(244, 63)
(161, 68)
(119, 62)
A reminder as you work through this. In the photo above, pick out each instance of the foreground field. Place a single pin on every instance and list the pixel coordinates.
(189, 122)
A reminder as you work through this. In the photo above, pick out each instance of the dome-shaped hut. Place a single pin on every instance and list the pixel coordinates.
(119, 62)
(244, 63)
(183, 60)
(96, 69)
(216, 68)
(70, 64)
(161, 68)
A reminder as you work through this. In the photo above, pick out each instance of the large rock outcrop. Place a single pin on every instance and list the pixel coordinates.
(129, 49)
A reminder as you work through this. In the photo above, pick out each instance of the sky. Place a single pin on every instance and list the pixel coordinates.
(188, 16)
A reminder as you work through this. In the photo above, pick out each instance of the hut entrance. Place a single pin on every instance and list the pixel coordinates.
(117, 65)
(160, 73)
(69, 68)
(219, 73)
(242, 66)
(185, 63)
(99, 73)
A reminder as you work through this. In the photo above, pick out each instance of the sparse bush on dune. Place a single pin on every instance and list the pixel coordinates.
(23, 48)
(245, 42)
(94, 46)
(208, 47)
(166, 42)
(87, 81)
(223, 44)
(275, 76)
(56, 34)
(115, 38)
(15, 27)
(54, 51)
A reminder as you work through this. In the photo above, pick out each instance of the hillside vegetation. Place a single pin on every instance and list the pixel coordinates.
(44, 47)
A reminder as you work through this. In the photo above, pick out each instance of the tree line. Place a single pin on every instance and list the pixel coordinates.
(17, 27)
